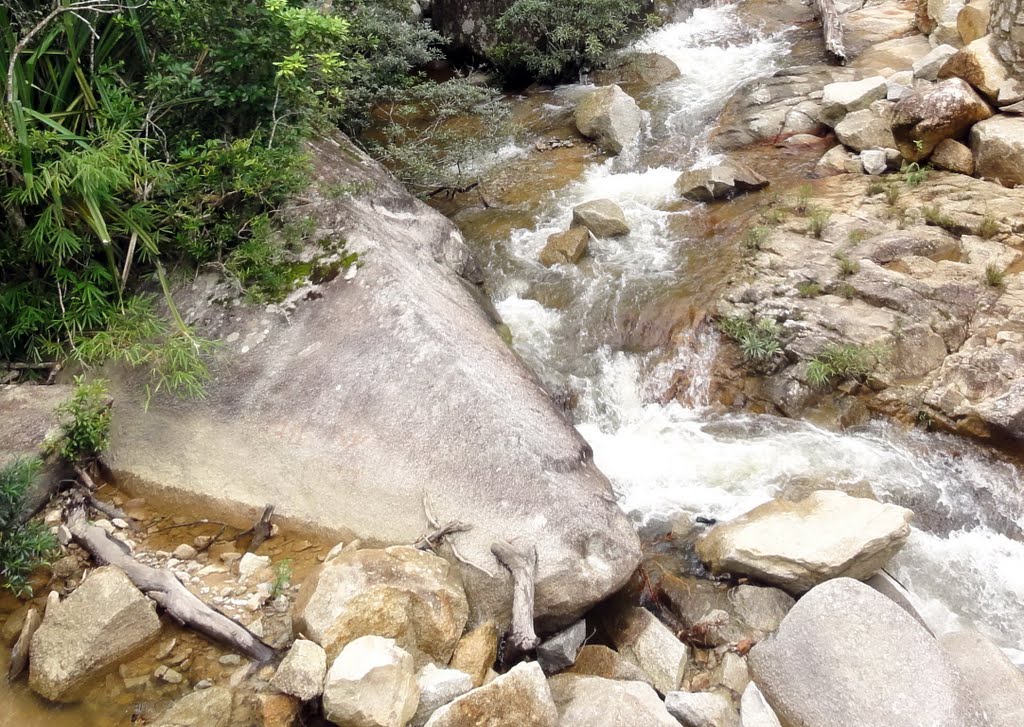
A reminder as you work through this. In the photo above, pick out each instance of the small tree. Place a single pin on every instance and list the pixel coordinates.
(23, 546)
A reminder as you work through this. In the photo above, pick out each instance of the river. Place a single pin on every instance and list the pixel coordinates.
(580, 328)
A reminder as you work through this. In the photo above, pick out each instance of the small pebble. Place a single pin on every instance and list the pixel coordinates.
(119, 523)
(230, 660)
(172, 677)
(204, 684)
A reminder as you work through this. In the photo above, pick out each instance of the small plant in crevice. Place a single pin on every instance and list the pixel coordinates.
(925, 420)
(758, 339)
(875, 187)
(842, 361)
(809, 289)
(755, 237)
(892, 193)
(988, 227)
(995, 277)
(802, 204)
(817, 221)
(934, 216)
(856, 236)
(845, 290)
(774, 215)
(847, 266)
(84, 422)
(914, 174)
(282, 577)
(23, 545)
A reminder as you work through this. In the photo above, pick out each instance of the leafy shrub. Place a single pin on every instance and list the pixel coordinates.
(758, 339)
(914, 173)
(84, 422)
(841, 361)
(23, 546)
(555, 39)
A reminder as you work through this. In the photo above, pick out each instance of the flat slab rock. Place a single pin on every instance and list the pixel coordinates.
(520, 697)
(585, 701)
(847, 656)
(797, 545)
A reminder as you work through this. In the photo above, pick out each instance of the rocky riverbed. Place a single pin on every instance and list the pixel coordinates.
(721, 289)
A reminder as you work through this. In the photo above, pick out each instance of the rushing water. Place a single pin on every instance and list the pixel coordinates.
(574, 325)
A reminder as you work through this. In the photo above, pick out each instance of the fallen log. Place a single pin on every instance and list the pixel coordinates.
(164, 588)
(521, 638)
(19, 654)
(832, 29)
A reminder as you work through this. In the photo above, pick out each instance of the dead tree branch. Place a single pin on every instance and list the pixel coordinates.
(521, 637)
(832, 29)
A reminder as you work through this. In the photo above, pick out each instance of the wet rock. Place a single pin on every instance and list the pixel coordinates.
(203, 708)
(797, 545)
(702, 709)
(972, 20)
(106, 620)
(719, 181)
(302, 672)
(584, 701)
(867, 129)
(602, 217)
(411, 596)
(565, 247)
(998, 146)
(859, 642)
(979, 65)
(844, 97)
(646, 642)
(600, 661)
(372, 683)
(995, 681)
(642, 70)
(476, 652)
(927, 68)
(874, 161)
(953, 157)
(558, 652)
(438, 687)
(754, 709)
(925, 118)
(384, 455)
(610, 117)
(520, 697)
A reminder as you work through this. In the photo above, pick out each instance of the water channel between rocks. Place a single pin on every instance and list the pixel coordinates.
(591, 333)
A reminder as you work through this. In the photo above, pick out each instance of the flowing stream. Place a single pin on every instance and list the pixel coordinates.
(576, 326)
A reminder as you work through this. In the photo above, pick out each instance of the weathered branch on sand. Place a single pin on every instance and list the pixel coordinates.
(832, 29)
(163, 587)
(262, 529)
(521, 637)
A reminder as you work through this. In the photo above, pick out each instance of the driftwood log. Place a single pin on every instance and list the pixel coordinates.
(832, 29)
(161, 585)
(521, 562)
(19, 655)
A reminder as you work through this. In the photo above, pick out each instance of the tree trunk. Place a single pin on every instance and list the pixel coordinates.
(522, 564)
(832, 29)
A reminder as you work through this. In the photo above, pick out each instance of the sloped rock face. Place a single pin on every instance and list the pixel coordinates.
(846, 656)
(797, 545)
(356, 400)
(104, 621)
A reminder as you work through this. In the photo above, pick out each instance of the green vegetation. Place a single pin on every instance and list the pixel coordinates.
(817, 220)
(935, 216)
(841, 361)
(856, 236)
(809, 289)
(758, 339)
(874, 187)
(756, 237)
(892, 194)
(988, 227)
(556, 39)
(914, 173)
(847, 266)
(23, 546)
(995, 277)
(84, 422)
(282, 577)
(845, 290)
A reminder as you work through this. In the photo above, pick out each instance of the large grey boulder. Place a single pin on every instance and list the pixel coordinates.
(647, 643)
(357, 400)
(602, 217)
(944, 111)
(105, 621)
(639, 70)
(927, 68)
(755, 710)
(372, 683)
(718, 181)
(797, 545)
(846, 656)
(402, 593)
(301, 673)
(702, 709)
(609, 116)
(585, 701)
(866, 129)
(996, 682)
(520, 697)
(559, 651)
(998, 146)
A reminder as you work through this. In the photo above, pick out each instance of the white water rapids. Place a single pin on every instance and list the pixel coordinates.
(965, 558)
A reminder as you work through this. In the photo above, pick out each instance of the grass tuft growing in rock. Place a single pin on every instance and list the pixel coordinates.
(995, 277)
(847, 266)
(756, 236)
(23, 546)
(817, 220)
(809, 289)
(842, 361)
(758, 339)
(936, 217)
(914, 173)
(988, 227)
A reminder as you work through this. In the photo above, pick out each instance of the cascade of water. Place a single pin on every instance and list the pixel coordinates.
(666, 459)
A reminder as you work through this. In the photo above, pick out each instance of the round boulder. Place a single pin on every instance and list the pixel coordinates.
(610, 117)
(411, 596)
(998, 146)
(372, 683)
(944, 111)
(602, 217)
